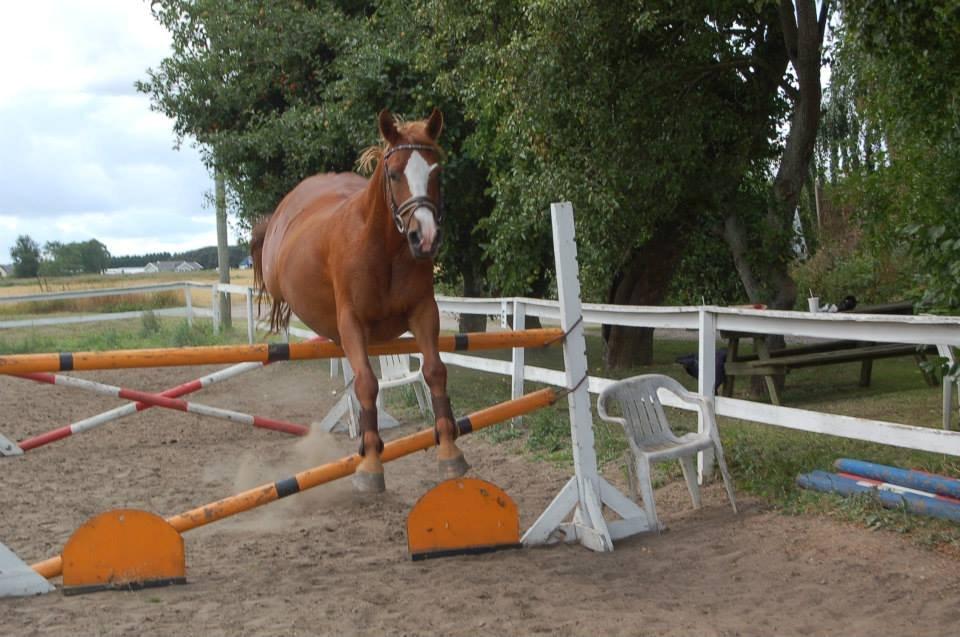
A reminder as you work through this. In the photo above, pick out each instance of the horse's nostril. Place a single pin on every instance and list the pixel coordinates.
(414, 237)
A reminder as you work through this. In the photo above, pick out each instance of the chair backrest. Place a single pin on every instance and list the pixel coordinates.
(641, 408)
(394, 366)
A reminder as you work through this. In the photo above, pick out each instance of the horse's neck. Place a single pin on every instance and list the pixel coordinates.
(379, 228)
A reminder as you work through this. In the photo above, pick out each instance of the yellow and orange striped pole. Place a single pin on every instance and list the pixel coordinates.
(261, 353)
(316, 476)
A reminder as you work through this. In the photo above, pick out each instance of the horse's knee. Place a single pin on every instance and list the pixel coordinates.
(365, 386)
(435, 373)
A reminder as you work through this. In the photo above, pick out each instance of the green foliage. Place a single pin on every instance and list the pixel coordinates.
(706, 275)
(869, 276)
(149, 323)
(185, 335)
(899, 61)
(941, 369)
(26, 257)
(602, 106)
(63, 259)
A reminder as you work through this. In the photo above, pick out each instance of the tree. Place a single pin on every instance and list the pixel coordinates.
(900, 61)
(26, 257)
(246, 80)
(801, 39)
(658, 121)
(323, 72)
(65, 259)
(94, 257)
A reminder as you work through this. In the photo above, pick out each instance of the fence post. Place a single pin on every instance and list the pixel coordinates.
(251, 325)
(517, 371)
(503, 314)
(946, 352)
(188, 297)
(706, 382)
(215, 307)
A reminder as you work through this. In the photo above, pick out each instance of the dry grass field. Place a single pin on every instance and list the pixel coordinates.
(22, 287)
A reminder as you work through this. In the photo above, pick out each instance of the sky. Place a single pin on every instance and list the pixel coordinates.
(81, 154)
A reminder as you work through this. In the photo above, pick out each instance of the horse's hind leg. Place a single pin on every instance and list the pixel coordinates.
(368, 477)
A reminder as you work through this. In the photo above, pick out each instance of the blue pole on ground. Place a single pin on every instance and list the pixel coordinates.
(920, 480)
(832, 483)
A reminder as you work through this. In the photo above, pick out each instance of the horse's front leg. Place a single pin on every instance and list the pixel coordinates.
(425, 325)
(368, 477)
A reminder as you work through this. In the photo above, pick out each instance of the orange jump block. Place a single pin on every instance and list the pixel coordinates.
(123, 549)
(460, 517)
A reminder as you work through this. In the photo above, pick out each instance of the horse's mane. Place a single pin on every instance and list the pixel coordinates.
(372, 155)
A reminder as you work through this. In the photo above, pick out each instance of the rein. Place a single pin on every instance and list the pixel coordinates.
(401, 213)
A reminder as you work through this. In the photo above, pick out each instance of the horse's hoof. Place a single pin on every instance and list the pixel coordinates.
(452, 468)
(366, 482)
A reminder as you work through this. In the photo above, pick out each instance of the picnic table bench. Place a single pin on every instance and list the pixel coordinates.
(777, 363)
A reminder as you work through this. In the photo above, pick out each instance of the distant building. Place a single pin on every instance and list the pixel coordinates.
(246, 263)
(5, 271)
(172, 266)
(125, 270)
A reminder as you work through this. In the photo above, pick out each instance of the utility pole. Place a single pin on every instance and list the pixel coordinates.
(223, 250)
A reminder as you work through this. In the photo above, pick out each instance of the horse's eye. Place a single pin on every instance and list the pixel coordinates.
(394, 175)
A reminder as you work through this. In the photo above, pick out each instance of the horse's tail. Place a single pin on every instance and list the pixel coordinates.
(257, 236)
(279, 311)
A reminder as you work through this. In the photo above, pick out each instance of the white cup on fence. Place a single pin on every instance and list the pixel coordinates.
(814, 303)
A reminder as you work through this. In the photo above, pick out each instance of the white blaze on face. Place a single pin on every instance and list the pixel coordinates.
(417, 173)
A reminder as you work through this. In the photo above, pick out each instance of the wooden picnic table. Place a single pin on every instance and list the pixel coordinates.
(773, 365)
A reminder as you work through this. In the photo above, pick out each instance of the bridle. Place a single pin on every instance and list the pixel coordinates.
(401, 213)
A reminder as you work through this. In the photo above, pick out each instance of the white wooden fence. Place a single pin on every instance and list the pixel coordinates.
(706, 321)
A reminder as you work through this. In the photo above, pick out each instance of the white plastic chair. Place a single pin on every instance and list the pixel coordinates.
(395, 371)
(651, 439)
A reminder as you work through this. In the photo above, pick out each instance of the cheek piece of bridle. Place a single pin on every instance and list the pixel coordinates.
(402, 213)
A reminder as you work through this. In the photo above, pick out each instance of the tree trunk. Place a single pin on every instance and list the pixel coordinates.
(802, 37)
(223, 250)
(643, 281)
(472, 287)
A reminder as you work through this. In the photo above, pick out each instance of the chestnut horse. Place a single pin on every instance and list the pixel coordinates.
(353, 259)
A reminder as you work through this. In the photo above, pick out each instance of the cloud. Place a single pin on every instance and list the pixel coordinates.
(81, 154)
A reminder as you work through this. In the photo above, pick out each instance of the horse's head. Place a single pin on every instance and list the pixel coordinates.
(411, 180)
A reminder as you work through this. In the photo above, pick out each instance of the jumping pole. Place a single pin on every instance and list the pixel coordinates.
(158, 400)
(316, 476)
(262, 353)
(921, 480)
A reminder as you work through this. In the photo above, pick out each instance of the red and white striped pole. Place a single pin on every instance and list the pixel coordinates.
(158, 400)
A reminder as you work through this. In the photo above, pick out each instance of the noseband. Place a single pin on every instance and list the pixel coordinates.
(401, 213)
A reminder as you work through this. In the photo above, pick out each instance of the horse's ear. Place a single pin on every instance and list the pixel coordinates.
(388, 127)
(435, 124)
